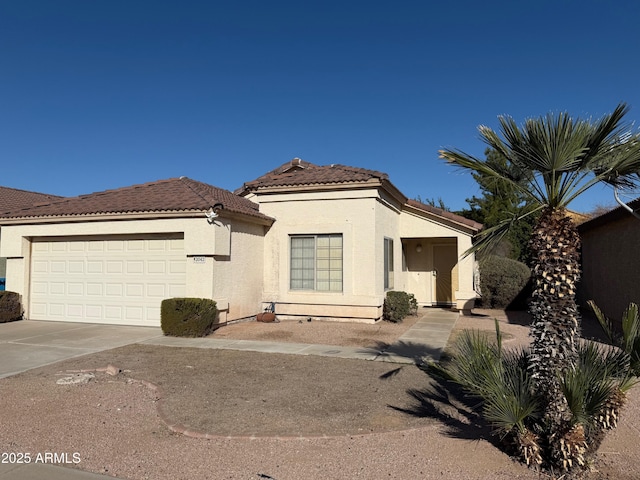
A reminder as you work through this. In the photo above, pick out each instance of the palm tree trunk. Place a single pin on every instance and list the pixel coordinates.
(555, 245)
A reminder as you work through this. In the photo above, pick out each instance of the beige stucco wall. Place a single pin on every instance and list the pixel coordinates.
(323, 213)
(364, 217)
(611, 266)
(232, 252)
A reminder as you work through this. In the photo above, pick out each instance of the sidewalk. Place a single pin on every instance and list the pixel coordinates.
(426, 339)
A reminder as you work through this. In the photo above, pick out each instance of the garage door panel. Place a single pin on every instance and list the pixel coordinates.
(95, 246)
(176, 267)
(57, 266)
(111, 280)
(95, 267)
(134, 290)
(94, 289)
(135, 266)
(75, 311)
(157, 290)
(56, 310)
(58, 247)
(76, 267)
(94, 312)
(56, 288)
(176, 290)
(133, 314)
(156, 267)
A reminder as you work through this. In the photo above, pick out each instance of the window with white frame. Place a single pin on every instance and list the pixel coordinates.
(388, 263)
(316, 262)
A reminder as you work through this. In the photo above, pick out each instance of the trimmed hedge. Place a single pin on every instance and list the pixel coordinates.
(398, 305)
(503, 282)
(188, 317)
(10, 307)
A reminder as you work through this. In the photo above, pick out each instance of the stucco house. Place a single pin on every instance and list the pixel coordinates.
(315, 241)
(610, 260)
(343, 236)
(12, 199)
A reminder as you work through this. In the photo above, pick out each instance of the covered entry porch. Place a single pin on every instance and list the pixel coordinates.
(430, 270)
(434, 267)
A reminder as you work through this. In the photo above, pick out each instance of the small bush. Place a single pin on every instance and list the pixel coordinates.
(502, 282)
(188, 317)
(398, 305)
(10, 307)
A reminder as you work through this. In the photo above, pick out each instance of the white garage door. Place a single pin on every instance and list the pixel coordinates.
(115, 279)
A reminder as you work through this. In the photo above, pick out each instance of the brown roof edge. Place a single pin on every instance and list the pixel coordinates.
(445, 214)
(170, 196)
(310, 174)
(610, 216)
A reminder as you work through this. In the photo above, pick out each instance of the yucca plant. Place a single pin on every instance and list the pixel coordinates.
(552, 160)
(595, 392)
(629, 339)
(501, 381)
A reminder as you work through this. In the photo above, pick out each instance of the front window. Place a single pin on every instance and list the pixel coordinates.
(388, 264)
(316, 262)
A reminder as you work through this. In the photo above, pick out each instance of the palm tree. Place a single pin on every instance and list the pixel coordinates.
(552, 160)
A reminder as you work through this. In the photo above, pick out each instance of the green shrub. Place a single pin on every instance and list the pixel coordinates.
(398, 305)
(10, 307)
(502, 282)
(188, 317)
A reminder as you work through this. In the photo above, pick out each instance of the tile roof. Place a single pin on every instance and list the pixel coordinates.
(171, 195)
(13, 198)
(445, 214)
(299, 172)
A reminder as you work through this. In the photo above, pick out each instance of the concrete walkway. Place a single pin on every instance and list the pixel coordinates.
(424, 340)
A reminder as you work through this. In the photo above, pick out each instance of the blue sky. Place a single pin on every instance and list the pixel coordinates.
(103, 94)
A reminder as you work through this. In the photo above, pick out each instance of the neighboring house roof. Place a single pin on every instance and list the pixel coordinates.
(578, 217)
(13, 198)
(171, 195)
(300, 173)
(610, 216)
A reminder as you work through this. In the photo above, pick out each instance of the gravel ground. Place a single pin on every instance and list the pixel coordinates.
(118, 424)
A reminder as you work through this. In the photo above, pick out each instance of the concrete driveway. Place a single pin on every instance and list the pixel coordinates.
(28, 344)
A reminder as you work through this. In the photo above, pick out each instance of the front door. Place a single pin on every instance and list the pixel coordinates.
(445, 258)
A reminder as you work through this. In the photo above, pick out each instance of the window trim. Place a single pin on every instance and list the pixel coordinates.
(388, 269)
(331, 282)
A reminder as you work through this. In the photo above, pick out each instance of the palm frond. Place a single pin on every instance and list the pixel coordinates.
(553, 159)
(488, 239)
(511, 176)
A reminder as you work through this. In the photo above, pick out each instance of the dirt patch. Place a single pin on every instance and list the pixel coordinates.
(318, 332)
(379, 419)
(233, 393)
